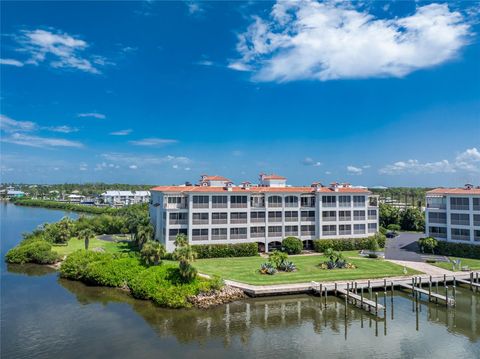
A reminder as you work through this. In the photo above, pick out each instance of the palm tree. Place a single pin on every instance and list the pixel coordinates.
(152, 252)
(185, 254)
(144, 234)
(86, 234)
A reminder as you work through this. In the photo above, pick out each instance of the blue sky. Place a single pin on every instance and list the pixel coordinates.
(373, 93)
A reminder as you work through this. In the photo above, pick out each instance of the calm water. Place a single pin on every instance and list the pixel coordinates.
(43, 316)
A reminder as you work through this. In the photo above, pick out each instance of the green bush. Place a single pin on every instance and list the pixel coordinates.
(292, 245)
(463, 250)
(112, 272)
(32, 250)
(226, 250)
(63, 205)
(348, 244)
(75, 265)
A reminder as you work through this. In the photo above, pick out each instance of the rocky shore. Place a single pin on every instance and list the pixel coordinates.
(210, 299)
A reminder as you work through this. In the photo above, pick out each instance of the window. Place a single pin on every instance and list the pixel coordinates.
(274, 201)
(178, 218)
(291, 201)
(238, 233)
(358, 215)
(173, 232)
(200, 234)
(439, 232)
(372, 214)
(256, 232)
(219, 233)
(436, 202)
(460, 234)
(345, 229)
(329, 216)
(359, 201)
(291, 216)
(257, 217)
(307, 216)
(344, 216)
(257, 201)
(476, 235)
(373, 201)
(344, 201)
(175, 202)
(238, 217)
(328, 201)
(372, 228)
(459, 203)
(219, 218)
(329, 230)
(462, 219)
(238, 201)
(307, 201)
(437, 217)
(476, 219)
(275, 216)
(219, 201)
(476, 204)
(307, 230)
(275, 231)
(291, 231)
(200, 218)
(359, 229)
(200, 201)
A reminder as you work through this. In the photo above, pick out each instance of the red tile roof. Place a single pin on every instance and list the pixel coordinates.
(216, 178)
(272, 177)
(255, 189)
(464, 191)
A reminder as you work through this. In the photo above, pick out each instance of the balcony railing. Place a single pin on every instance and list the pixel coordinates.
(370, 217)
(460, 222)
(459, 207)
(329, 219)
(274, 205)
(345, 204)
(257, 235)
(291, 219)
(291, 233)
(343, 219)
(346, 232)
(274, 219)
(257, 220)
(200, 205)
(219, 221)
(358, 218)
(307, 233)
(238, 236)
(238, 220)
(219, 205)
(307, 219)
(200, 238)
(217, 237)
(178, 221)
(175, 205)
(274, 234)
(329, 233)
(290, 205)
(460, 238)
(330, 205)
(238, 205)
(436, 206)
(200, 221)
(359, 231)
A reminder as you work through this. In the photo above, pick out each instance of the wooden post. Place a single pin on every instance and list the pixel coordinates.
(320, 292)
(355, 287)
(391, 290)
(384, 285)
(471, 281)
(385, 305)
(446, 295)
(454, 281)
(361, 297)
(335, 289)
(326, 293)
(376, 303)
(420, 282)
(430, 290)
(348, 290)
(445, 280)
(454, 289)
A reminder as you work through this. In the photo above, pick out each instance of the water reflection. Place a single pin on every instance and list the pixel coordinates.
(241, 319)
(34, 270)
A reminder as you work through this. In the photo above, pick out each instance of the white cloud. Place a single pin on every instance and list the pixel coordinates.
(128, 159)
(8, 124)
(153, 142)
(92, 114)
(328, 172)
(36, 141)
(366, 166)
(467, 161)
(11, 62)
(336, 40)
(194, 7)
(175, 167)
(83, 166)
(60, 50)
(354, 170)
(133, 167)
(121, 132)
(62, 129)
(308, 161)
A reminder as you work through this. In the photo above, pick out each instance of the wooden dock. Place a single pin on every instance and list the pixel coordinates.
(430, 294)
(472, 284)
(361, 302)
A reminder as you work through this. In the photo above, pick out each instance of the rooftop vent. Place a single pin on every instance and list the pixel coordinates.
(468, 186)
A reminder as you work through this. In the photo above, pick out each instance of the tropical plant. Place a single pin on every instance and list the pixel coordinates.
(277, 257)
(144, 234)
(181, 240)
(185, 255)
(292, 245)
(152, 252)
(334, 259)
(393, 227)
(287, 266)
(267, 268)
(85, 235)
(428, 243)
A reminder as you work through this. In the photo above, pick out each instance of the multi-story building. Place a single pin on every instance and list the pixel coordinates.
(453, 214)
(216, 211)
(124, 198)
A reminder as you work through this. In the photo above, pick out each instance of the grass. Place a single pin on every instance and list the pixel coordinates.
(473, 264)
(109, 247)
(245, 270)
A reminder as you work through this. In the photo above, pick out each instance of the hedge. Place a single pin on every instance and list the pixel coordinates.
(226, 250)
(32, 250)
(347, 244)
(458, 249)
(63, 206)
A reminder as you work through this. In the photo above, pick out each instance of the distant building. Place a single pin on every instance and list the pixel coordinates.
(453, 214)
(11, 193)
(217, 211)
(125, 198)
(75, 198)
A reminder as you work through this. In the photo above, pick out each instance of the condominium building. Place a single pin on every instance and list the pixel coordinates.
(124, 198)
(453, 214)
(217, 211)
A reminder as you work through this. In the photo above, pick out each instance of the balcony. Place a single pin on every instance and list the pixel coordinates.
(329, 233)
(345, 232)
(459, 237)
(345, 204)
(257, 220)
(219, 221)
(200, 238)
(459, 207)
(436, 206)
(219, 237)
(460, 222)
(344, 219)
(238, 236)
(219, 205)
(307, 233)
(358, 218)
(178, 221)
(359, 231)
(238, 220)
(174, 205)
(274, 219)
(257, 235)
(238, 205)
(307, 219)
(329, 219)
(291, 219)
(329, 205)
(200, 205)
(291, 233)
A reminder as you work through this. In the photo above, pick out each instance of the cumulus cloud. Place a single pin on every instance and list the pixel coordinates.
(37, 141)
(92, 114)
(336, 40)
(467, 161)
(11, 62)
(153, 142)
(354, 170)
(308, 161)
(121, 132)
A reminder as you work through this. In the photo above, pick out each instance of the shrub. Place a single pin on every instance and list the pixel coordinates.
(76, 263)
(428, 243)
(276, 258)
(32, 250)
(292, 245)
(372, 255)
(226, 250)
(112, 272)
(347, 244)
(268, 268)
(373, 244)
(383, 230)
(393, 227)
(464, 250)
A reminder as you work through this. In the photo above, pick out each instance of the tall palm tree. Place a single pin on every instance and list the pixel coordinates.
(144, 234)
(152, 252)
(185, 255)
(85, 235)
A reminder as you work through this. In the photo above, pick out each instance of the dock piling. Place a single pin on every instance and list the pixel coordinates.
(376, 303)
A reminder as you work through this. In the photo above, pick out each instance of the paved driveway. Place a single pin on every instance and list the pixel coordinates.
(403, 247)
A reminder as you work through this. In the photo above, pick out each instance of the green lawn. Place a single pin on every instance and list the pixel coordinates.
(473, 264)
(75, 244)
(246, 269)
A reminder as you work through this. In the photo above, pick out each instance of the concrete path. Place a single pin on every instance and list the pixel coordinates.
(424, 267)
(403, 247)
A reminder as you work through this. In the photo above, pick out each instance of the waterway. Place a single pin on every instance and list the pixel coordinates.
(43, 316)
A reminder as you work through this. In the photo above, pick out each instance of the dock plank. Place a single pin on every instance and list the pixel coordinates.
(450, 301)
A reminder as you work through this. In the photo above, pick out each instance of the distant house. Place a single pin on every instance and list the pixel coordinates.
(15, 194)
(125, 198)
(75, 198)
